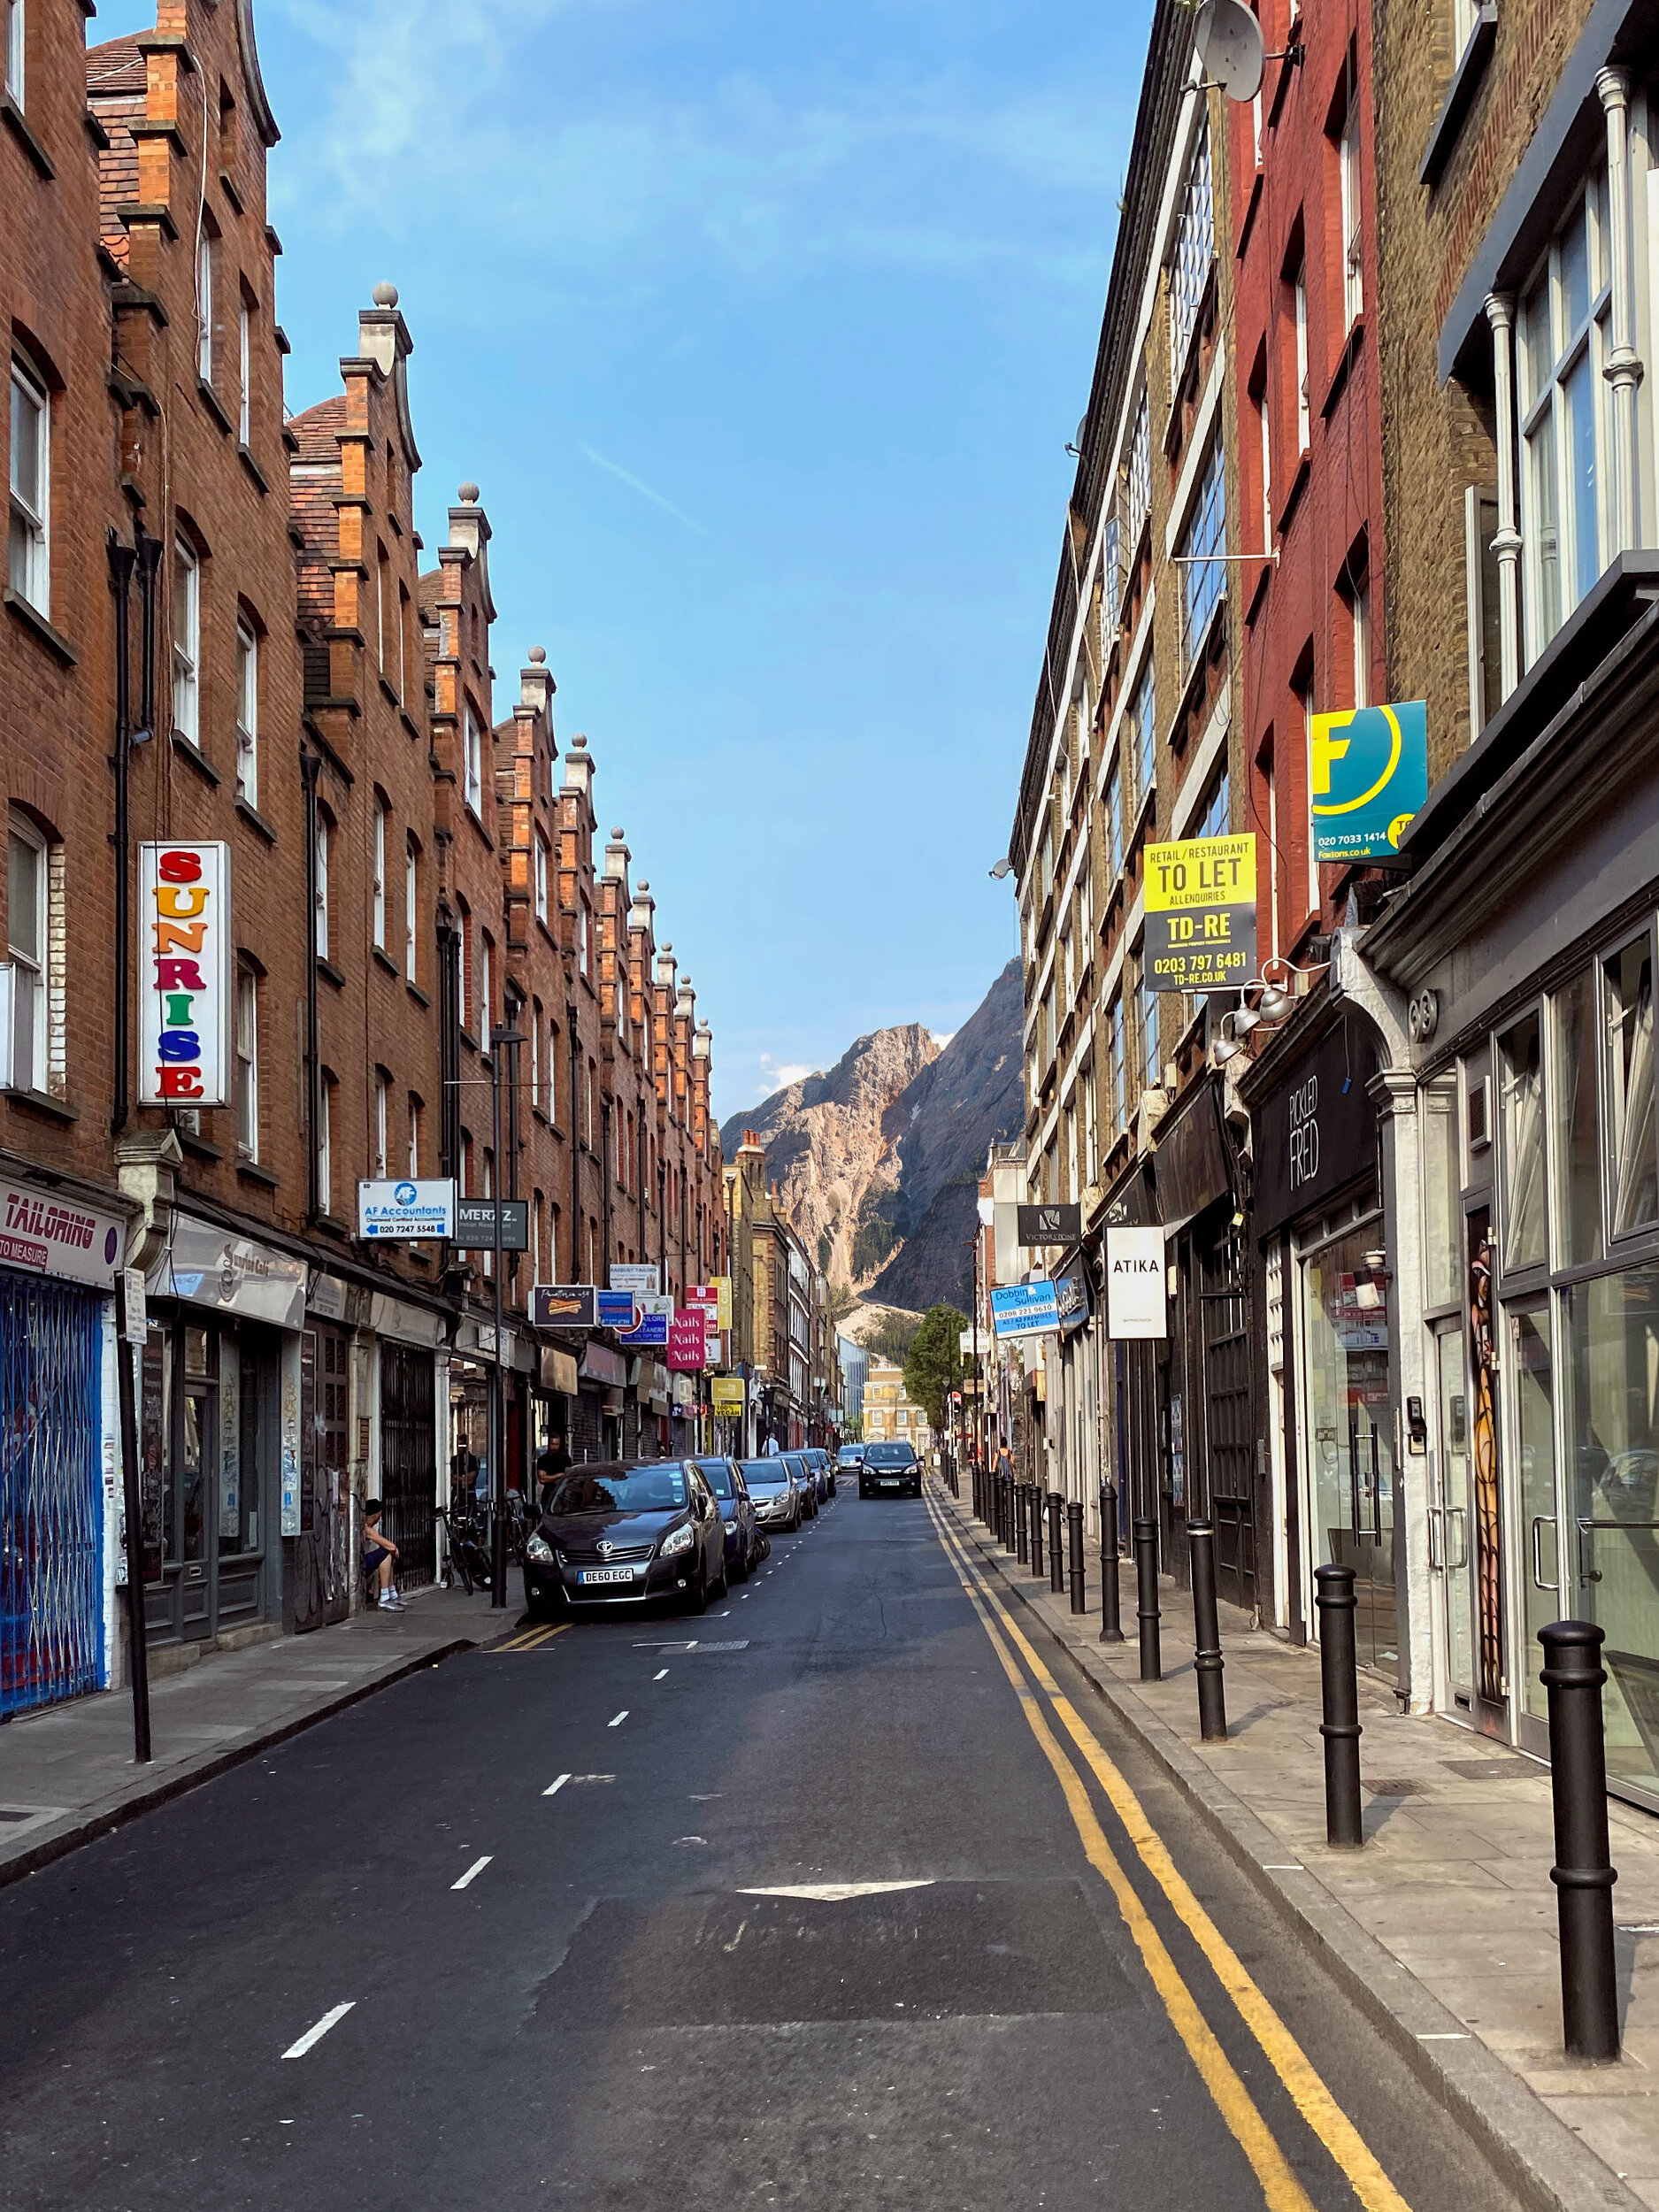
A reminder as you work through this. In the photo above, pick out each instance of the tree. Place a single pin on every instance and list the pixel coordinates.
(933, 1367)
(891, 1337)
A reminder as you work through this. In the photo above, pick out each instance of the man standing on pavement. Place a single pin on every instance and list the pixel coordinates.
(552, 1461)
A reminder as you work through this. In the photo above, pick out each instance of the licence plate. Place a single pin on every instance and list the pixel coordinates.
(605, 1574)
(889, 1482)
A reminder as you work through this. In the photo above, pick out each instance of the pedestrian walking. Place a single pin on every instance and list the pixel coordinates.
(380, 1554)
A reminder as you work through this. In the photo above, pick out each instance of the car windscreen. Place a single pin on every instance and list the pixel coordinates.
(798, 1466)
(717, 1474)
(848, 1457)
(764, 1474)
(622, 1490)
(889, 1455)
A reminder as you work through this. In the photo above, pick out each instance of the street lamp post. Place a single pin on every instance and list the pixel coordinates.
(499, 1039)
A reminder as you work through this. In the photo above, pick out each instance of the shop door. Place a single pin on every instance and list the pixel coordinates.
(1539, 1521)
(1452, 1519)
(1348, 1440)
(322, 1563)
(409, 1461)
(203, 1420)
(51, 1502)
(1231, 1440)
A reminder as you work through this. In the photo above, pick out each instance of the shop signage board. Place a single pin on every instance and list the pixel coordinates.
(616, 1310)
(562, 1305)
(206, 1266)
(475, 1223)
(1071, 1297)
(409, 1210)
(1137, 1296)
(688, 1342)
(1200, 914)
(1050, 1225)
(1024, 1310)
(1369, 776)
(727, 1393)
(185, 958)
(640, 1275)
(1317, 1131)
(47, 1233)
(651, 1334)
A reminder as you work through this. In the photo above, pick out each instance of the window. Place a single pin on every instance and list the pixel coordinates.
(1203, 554)
(486, 989)
(1359, 615)
(414, 1136)
(377, 886)
(1139, 474)
(1112, 813)
(325, 1143)
(187, 641)
(204, 308)
(1347, 165)
(1213, 820)
(1306, 755)
(1270, 801)
(540, 877)
(382, 591)
(592, 1102)
(411, 907)
(552, 1071)
(1566, 438)
(1194, 251)
(581, 935)
(1143, 714)
(403, 619)
(1521, 1128)
(247, 715)
(28, 908)
(474, 764)
(14, 53)
(1150, 1073)
(1627, 979)
(535, 1052)
(244, 352)
(1300, 310)
(1115, 1062)
(321, 846)
(382, 1112)
(247, 1062)
(1255, 127)
(465, 1007)
(1112, 587)
(1465, 15)
(1264, 434)
(28, 565)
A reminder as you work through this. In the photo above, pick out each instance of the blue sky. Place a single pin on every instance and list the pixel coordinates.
(763, 329)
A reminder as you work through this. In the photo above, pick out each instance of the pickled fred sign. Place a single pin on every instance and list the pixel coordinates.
(1368, 775)
(1200, 914)
(184, 970)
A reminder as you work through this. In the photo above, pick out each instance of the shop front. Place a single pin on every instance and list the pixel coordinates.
(552, 1394)
(602, 1381)
(57, 1416)
(1319, 1221)
(408, 1340)
(221, 1432)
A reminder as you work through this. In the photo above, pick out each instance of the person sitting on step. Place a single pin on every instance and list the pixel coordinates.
(380, 1554)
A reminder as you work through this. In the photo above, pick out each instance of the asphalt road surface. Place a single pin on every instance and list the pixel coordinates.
(849, 1894)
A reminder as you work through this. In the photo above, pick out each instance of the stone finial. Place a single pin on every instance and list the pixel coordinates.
(644, 883)
(617, 830)
(384, 295)
(468, 494)
(668, 944)
(538, 656)
(578, 744)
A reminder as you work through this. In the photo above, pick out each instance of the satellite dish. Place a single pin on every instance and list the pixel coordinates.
(1229, 41)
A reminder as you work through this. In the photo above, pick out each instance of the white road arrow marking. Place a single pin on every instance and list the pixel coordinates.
(835, 1893)
(315, 2035)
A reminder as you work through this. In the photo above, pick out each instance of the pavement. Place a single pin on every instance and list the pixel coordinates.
(67, 1773)
(851, 1891)
(1443, 1927)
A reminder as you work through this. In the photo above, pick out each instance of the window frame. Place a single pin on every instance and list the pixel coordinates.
(246, 1051)
(540, 877)
(1299, 310)
(1193, 255)
(472, 742)
(377, 873)
(382, 1122)
(35, 961)
(16, 78)
(187, 650)
(204, 306)
(325, 1143)
(1348, 185)
(32, 580)
(244, 356)
(247, 712)
(320, 840)
(411, 909)
(1201, 551)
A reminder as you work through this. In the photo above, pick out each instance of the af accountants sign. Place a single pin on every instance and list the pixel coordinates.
(184, 972)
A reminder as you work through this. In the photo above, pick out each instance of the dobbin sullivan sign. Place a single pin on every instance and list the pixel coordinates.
(184, 970)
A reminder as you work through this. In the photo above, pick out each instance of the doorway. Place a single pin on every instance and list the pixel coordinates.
(1451, 1518)
(1348, 1436)
(207, 1433)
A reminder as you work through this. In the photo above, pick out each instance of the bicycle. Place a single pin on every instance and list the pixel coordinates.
(467, 1551)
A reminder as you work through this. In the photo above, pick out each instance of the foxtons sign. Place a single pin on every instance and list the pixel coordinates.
(1369, 775)
(1137, 1306)
(1200, 914)
(184, 969)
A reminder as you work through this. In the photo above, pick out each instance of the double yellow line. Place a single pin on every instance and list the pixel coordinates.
(532, 1638)
(1283, 2191)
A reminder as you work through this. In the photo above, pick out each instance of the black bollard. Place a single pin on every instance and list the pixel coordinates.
(1022, 1529)
(1583, 1873)
(1339, 1683)
(1074, 1550)
(1112, 1630)
(1146, 1587)
(1038, 1568)
(1212, 1696)
(1007, 1513)
(1057, 1542)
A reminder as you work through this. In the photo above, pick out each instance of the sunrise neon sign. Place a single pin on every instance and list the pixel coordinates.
(184, 973)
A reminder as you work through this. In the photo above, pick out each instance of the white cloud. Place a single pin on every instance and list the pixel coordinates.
(793, 1073)
(942, 1037)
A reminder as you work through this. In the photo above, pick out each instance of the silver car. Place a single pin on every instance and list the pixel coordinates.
(776, 1491)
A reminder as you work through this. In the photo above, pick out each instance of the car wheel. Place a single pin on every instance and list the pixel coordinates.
(717, 1590)
(740, 1572)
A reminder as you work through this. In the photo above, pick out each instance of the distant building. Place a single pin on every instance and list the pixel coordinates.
(854, 1366)
(889, 1415)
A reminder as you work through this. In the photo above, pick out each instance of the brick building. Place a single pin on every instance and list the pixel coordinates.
(263, 959)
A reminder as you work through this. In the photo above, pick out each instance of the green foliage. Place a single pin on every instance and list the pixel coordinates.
(891, 1336)
(825, 1246)
(873, 1240)
(841, 1301)
(933, 1366)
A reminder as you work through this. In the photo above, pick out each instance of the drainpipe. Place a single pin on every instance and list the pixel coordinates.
(122, 561)
(576, 1184)
(310, 767)
(1623, 365)
(605, 1184)
(1506, 542)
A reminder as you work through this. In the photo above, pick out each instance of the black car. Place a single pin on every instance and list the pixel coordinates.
(745, 1546)
(796, 1462)
(620, 1531)
(824, 1467)
(889, 1467)
(774, 1492)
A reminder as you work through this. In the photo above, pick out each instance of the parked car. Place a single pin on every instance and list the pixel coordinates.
(823, 1467)
(745, 1545)
(796, 1464)
(775, 1492)
(850, 1458)
(621, 1532)
(890, 1467)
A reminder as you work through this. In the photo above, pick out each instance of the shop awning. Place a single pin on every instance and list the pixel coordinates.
(558, 1371)
(599, 1363)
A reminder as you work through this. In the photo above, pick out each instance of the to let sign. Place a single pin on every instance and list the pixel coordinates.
(184, 972)
(1200, 914)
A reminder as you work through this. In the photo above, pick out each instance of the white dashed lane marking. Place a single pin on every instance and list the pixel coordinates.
(472, 1871)
(660, 1677)
(555, 1786)
(620, 1718)
(315, 2035)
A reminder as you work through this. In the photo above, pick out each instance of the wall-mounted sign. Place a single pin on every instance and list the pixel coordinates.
(562, 1305)
(1071, 1297)
(688, 1342)
(1024, 1310)
(1369, 775)
(1137, 1301)
(184, 974)
(726, 1393)
(50, 1234)
(408, 1209)
(651, 1334)
(1319, 1130)
(637, 1276)
(1200, 914)
(1050, 1225)
(475, 1223)
(616, 1310)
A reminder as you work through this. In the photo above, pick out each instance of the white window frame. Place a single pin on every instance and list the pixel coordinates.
(187, 641)
(1202, 554)
(540, 877)
(204, 306)
(1143, 715)
(486, 989)
(246, 1046)
(1349, 170)
(411, 910)
(583, 935)
(29, 544)
(535, 1054)
(244, 356)
(1304, 420)
(1264, 431)
(377, 886)
(469, 988)
(30, 1043)
(381, 570)
(1314, 899)
(414, 1137)
(382, 1120)
(247, 714)
(325, 1145)
(320, 847)
(17, 50)
(1139, 474)
(473, 741)
(1359, 608)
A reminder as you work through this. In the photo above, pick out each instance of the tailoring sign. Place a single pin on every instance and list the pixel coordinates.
(1369, 775)
(50, 1234)
(1200, 914)
(1024, 1310)
(1137, 1302)
(637, 1276)
(184, 972)
(652, 1331)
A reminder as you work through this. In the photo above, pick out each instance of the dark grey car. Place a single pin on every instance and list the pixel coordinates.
(621, 1532)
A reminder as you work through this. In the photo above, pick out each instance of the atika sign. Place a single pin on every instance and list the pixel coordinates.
(184, 974)
(1369, 775)
(1200, 914)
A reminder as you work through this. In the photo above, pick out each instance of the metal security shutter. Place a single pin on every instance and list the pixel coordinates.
(408, 1477)
(51, 1522)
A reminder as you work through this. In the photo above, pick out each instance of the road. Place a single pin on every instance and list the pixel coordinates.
(849, 1894)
